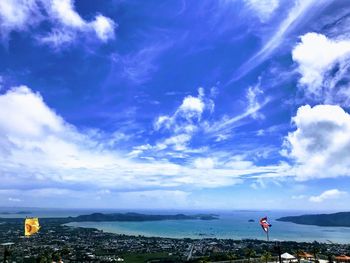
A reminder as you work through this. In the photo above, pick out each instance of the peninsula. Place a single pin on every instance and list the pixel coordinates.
(137, 217)
(118, 217)
(341, 219)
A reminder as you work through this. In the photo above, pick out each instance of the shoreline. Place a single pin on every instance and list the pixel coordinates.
(194, 238)
(182, 226)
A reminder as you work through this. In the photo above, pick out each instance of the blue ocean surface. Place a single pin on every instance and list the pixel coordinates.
(230, 225)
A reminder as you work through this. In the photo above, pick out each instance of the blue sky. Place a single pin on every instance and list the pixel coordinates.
(175, 104)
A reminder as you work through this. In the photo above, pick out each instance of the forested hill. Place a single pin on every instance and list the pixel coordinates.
(336, 219)
(98, 217)
(121, 217)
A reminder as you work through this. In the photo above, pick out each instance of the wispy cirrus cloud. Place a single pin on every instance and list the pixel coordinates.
(138, 67)
(295, 15)
(263, 8)
(256, 101)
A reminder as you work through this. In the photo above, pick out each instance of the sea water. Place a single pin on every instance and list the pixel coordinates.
(231, 224)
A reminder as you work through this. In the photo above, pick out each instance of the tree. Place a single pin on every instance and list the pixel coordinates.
(266, 256)
(316, 250)
(204, 260)
(56, 257)
(231, 256)
(250, 253)
(330, 258)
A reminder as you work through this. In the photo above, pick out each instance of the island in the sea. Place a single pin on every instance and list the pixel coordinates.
(341, 219)
(16, 213)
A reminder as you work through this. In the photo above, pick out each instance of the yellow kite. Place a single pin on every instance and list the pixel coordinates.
(31, 226)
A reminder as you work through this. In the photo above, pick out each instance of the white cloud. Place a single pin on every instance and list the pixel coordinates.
(65, 23)
(63, 11)
(11, 199)
(68, 25)
(178, 141)
(258, 184)
(320, 146)
(184, 122)
(18, 15)
(30, 117)
(263, 8)
(191, 116)
(326, 195)
(255, 102)
(104, 27)
(254, 105)
(55, 197)
(316, 56)
(295, 15)
(58, 38)
(204, 163)
(38, 148)
(189, 112)
(192, 107)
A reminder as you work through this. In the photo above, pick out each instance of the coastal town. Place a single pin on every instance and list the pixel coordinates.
(59, 243)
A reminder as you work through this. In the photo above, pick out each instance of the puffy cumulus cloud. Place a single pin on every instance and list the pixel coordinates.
(323, 64)
(326, 195)
(104, 27)
(39, 149)
(320, 146)
(184, 122)
(192, 107)
(263, 8)
(189, 112)
(65, 23)
(30, 117)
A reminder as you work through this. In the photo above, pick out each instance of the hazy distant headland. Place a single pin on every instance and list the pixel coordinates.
(137, 217)
(126, 217)
(341, 219)
(16, 213)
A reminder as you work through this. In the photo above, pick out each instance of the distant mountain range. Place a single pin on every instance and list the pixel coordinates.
(99, 217)
(16, 213)
(121, 217)
(341, 219)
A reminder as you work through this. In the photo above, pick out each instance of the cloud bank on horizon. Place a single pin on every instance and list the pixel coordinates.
(204, 105)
